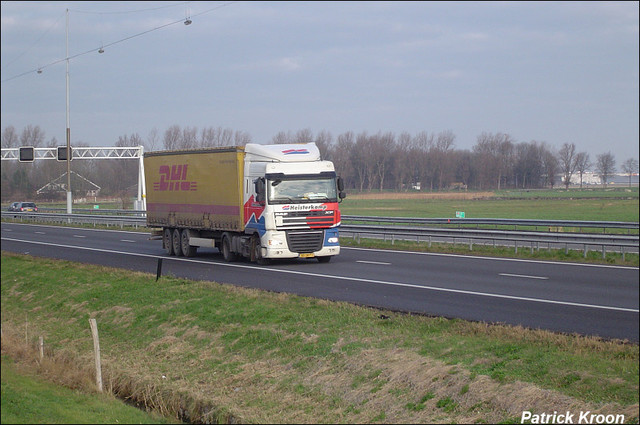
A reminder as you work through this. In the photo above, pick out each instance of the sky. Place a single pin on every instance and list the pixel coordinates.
(553, 72)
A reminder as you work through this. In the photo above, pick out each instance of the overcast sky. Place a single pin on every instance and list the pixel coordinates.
(554, 72)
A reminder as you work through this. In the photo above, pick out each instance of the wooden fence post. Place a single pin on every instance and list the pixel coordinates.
(96, 349)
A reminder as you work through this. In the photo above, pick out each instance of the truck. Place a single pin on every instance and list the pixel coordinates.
(259, 202)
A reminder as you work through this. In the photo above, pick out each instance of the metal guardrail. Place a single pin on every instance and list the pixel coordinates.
(503, 222)
(523, 239)
(515, 223)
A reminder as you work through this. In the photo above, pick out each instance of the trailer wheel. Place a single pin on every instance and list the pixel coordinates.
(167, 241)
(187, 250)
(227, 254)
(177, 248)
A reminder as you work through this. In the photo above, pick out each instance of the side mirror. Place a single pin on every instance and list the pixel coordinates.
(260, 190)
(340, 184)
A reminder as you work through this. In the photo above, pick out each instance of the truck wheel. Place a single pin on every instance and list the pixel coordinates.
(324, 259)
(256, 252)
(167, 241)
(187, 250)
(227, 254)
(177, 248)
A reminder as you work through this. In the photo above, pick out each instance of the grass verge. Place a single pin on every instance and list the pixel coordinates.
(28, 399)
(217, 353)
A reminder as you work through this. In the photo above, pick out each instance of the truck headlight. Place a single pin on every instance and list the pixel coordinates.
(333, 239)
(275, 242)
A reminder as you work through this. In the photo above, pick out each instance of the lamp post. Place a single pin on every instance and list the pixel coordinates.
(69, 196)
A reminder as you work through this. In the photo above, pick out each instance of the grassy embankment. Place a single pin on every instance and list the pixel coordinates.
(28, 399)
(206, 351)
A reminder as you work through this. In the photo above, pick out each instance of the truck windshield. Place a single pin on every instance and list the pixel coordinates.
(297, 190)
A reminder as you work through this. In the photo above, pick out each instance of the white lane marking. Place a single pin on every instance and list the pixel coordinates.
(523, 275)
(475, 257)
(79, 236)
(355, 279)
(41, 233)
(373, 262)
(126, 240)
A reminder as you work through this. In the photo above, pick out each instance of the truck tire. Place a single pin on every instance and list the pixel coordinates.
(167, 241)
(256, 251)
(187, 250)
(227, 254)
(177, 246)
(324, 259)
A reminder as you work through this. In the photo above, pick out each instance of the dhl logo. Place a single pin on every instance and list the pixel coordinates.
(174, 178)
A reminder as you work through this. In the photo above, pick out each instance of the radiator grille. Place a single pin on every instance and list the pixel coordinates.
(306, 219)
(305, 242)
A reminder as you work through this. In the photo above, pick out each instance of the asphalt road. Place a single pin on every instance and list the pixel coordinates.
(573, 298)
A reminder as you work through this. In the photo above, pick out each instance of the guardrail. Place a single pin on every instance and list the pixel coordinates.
(553, 225)
(524, 239)
(503, 222)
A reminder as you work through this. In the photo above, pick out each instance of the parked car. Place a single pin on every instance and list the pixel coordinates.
(23, 207)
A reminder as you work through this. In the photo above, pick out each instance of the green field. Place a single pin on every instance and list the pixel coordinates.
(222, 353)
(618, 205)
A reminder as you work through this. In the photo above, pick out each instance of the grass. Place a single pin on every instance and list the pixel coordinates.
(224, 353)
(599, 209)
(32, 400)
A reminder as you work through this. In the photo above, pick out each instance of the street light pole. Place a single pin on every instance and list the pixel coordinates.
(69, 199)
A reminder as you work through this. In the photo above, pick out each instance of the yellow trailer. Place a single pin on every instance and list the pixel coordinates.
(197, 189)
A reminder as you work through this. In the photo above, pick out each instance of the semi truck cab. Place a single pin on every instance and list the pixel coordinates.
(293, 204)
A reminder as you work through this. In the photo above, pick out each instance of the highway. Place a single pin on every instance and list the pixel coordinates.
(586, 299)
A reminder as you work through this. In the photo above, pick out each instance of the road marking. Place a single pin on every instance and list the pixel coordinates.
(126, 240)
(354, 279)
(475, 257)
(41, 233)
(373, 262)
(79, 236)
(523, 275)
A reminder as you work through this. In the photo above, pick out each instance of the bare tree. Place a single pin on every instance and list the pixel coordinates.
(342, 154)
(400, 168)
(303, 136)
(126, 141)
(282, 138)
(32, 136)
(189, 138)
(324, 140)
(495, 153)
(241, 138)
(152, 140)
(172, 137)
(551, 168)
(567, 160)
(605, 166)
(9, 137)
(583, 162)
(630, 166)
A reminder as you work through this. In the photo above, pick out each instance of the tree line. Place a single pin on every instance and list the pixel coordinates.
(382, 161)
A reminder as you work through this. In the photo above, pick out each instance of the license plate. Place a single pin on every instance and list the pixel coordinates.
(307, 255)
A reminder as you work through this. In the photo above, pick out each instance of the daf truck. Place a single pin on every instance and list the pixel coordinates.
(256, 201)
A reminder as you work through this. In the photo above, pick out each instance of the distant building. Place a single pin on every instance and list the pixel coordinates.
(592, 178)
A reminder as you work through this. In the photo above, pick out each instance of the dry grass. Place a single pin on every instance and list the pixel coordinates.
(391, 381)
(424, 195)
